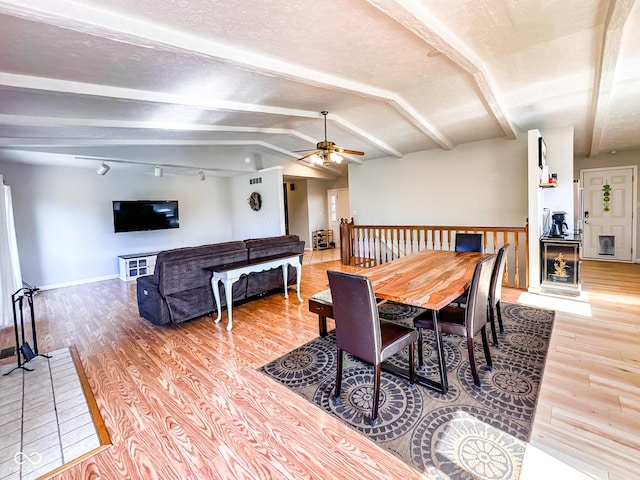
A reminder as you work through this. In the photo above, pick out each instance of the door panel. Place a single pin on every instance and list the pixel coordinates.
(608, 223)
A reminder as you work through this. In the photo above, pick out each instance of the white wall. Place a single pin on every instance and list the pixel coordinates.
(299, 210)
(560, 160)
(269, 220)
(318, 207)
(476, 184)
(64, 220)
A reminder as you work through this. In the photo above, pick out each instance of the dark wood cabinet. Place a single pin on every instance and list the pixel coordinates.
(560, 264)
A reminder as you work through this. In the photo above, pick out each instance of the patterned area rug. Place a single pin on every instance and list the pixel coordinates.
(461, 435)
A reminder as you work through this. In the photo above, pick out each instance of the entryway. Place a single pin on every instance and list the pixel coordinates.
(338, 204)
(609, 210)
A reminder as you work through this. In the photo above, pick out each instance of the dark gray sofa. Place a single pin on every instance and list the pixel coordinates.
(180, 287)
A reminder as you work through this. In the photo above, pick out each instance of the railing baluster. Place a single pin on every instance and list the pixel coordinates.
(369, 245)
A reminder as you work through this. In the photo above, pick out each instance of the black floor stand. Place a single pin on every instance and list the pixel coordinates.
(24, 353)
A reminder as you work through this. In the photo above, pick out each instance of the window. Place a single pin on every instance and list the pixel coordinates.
(333, 206)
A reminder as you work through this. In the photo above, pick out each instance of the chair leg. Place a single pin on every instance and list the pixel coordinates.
(376, 393)
(499, 312)
(336, 396)
(485, 345)
(492, 316)
(420, 352)
(412, 376)
(472, 363)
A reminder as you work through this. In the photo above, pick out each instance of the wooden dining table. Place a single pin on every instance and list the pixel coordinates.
(430, 279)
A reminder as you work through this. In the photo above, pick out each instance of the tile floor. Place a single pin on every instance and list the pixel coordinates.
(44, 418)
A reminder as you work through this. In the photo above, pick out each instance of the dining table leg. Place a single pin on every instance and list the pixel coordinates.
(437, 331)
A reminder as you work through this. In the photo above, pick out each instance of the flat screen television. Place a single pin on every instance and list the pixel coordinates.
(141, 215)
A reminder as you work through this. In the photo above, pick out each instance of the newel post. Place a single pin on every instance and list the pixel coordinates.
(345, 241)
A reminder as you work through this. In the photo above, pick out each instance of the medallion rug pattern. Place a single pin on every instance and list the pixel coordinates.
(459, 435)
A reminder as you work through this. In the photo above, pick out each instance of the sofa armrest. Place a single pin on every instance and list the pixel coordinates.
(151, 305)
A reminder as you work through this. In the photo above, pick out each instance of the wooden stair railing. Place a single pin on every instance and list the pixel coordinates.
(370, 245)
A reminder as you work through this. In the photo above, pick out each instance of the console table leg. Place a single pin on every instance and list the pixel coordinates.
(285, 273)
(216, 296)
(228, 292)
(298, 275)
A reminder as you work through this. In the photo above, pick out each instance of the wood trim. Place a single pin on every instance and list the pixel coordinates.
(370, 245)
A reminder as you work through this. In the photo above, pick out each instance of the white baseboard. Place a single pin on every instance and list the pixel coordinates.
(77, 282)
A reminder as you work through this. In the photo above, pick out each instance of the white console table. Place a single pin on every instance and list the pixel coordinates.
(230, 274)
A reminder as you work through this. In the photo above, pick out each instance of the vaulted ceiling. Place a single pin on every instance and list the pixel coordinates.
(229, 86)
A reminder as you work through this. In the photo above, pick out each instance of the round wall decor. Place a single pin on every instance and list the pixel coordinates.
(255, 201)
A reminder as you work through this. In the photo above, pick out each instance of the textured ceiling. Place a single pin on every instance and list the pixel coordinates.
(231, 86)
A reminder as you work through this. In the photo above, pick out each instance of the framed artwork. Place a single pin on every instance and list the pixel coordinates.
(542, 152)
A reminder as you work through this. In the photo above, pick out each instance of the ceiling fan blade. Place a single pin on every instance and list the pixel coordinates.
(308, 155)
(351, 152)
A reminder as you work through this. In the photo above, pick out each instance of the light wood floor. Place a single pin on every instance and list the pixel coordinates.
(186, 401)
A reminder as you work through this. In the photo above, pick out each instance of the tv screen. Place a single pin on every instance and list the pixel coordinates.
(140, 215)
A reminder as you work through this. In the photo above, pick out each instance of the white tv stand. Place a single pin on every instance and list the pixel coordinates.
(136, 265)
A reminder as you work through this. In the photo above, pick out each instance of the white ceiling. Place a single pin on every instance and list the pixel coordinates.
(230, 86)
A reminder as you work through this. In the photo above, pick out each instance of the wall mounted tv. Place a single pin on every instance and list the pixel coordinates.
(141, 215)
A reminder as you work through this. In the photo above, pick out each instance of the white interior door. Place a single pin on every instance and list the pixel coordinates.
(608, 218)
(338, 199)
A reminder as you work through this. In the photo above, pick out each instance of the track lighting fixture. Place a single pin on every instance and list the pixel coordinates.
(201, 175)
(158, 171)
(103, 169)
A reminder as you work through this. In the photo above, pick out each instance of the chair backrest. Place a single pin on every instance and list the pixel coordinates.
(356, 315)
(468, 242)
(478, 299)
(495, 289)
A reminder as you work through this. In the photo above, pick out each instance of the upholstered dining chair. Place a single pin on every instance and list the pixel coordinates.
(468, 242)
(495, 292)
(360, 332)
(468, 321)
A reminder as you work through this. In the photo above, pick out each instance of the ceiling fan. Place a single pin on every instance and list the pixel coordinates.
(327, 152)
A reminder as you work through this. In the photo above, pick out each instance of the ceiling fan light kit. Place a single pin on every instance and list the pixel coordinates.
(327, 152)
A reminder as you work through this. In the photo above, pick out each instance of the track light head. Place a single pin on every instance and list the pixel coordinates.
(103, 169)
(157, 171)
(201, 175)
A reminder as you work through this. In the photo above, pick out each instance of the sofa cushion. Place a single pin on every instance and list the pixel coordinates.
(258, 242)
(271, 246)
(187, 273)
(210, 249)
